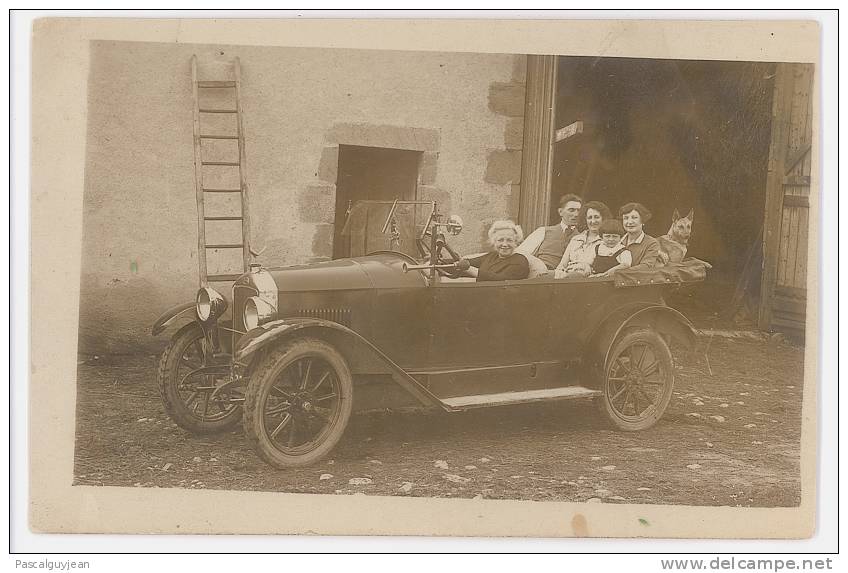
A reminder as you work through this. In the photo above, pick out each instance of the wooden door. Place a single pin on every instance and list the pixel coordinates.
(786, 227)
(377, 174)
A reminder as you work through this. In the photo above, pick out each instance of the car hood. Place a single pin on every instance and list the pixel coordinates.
(378, 270)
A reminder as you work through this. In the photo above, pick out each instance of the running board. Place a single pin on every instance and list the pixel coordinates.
(484, 400)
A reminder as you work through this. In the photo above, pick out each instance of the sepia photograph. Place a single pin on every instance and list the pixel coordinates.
(448, 275)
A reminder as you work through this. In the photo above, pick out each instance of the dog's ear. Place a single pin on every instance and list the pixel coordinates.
(675, 216)
(691, 215)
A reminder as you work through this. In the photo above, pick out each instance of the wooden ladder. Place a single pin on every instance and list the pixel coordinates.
(234, 108)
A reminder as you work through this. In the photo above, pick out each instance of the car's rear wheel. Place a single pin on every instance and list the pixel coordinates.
(298, 403)
(189, 385)
(638, 381)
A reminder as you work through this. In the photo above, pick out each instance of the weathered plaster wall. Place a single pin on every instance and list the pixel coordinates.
(464, 111)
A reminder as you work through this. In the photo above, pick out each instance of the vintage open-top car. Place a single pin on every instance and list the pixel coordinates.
(303, 347)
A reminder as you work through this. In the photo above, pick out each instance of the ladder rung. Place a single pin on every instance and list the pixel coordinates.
(222, 277)
(224, 246)
(211, 110)
(216, 84)
(225, 163)
(205, 190)
(222, 218)
(202, 136)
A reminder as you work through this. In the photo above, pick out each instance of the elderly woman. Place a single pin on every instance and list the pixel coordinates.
(644, 249)
(580, 252)
(503, 263)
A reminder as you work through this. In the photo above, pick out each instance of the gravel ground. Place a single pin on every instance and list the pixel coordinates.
(730, 437)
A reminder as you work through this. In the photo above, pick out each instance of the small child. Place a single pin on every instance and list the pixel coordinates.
(610, 254)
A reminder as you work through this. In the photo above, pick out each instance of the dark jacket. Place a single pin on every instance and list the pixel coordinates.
(494, 268)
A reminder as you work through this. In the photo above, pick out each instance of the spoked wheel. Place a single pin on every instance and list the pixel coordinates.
(639, 380)
(298, 403)
(190, 385)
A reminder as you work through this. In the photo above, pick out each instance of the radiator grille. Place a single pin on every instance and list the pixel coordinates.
(338, 315)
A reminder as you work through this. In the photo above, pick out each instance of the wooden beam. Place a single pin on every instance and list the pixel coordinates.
(198, 178)
(247, 254)
(796, 201)
(787, 291)
(797, 180)
(794, 158)
(780, 123)
(537, 152)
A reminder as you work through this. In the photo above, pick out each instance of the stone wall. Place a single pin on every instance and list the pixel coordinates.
(463, 111)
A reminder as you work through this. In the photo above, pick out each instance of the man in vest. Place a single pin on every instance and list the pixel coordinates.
(548, 243)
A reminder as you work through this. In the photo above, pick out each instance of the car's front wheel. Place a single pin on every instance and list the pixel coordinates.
(638, 381)
(298, 403)
(189, 385)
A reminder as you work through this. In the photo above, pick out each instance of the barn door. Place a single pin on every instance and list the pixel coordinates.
(784, 286)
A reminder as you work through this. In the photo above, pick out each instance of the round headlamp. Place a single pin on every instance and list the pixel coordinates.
(257, 311)
(210, 304)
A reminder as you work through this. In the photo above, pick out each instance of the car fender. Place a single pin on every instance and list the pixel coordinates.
(180, 312)
(665, 320)
(350, 343)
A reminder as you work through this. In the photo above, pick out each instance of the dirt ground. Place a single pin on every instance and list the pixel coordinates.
(730, 437)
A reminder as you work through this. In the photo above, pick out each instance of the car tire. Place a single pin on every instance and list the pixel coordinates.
(298, 403)
(640, 372)
(175, 362)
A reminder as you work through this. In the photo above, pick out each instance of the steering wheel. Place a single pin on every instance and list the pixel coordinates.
(445, 255)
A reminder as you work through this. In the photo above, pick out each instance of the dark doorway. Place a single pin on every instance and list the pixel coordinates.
(672, 134)
(371, 173)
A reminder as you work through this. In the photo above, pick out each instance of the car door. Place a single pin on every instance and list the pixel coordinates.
(499, 336)
(467, 328)
(528, 315)
(467, 324)
(577, 307)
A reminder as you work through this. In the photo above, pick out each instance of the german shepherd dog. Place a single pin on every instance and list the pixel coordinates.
(674, 244)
